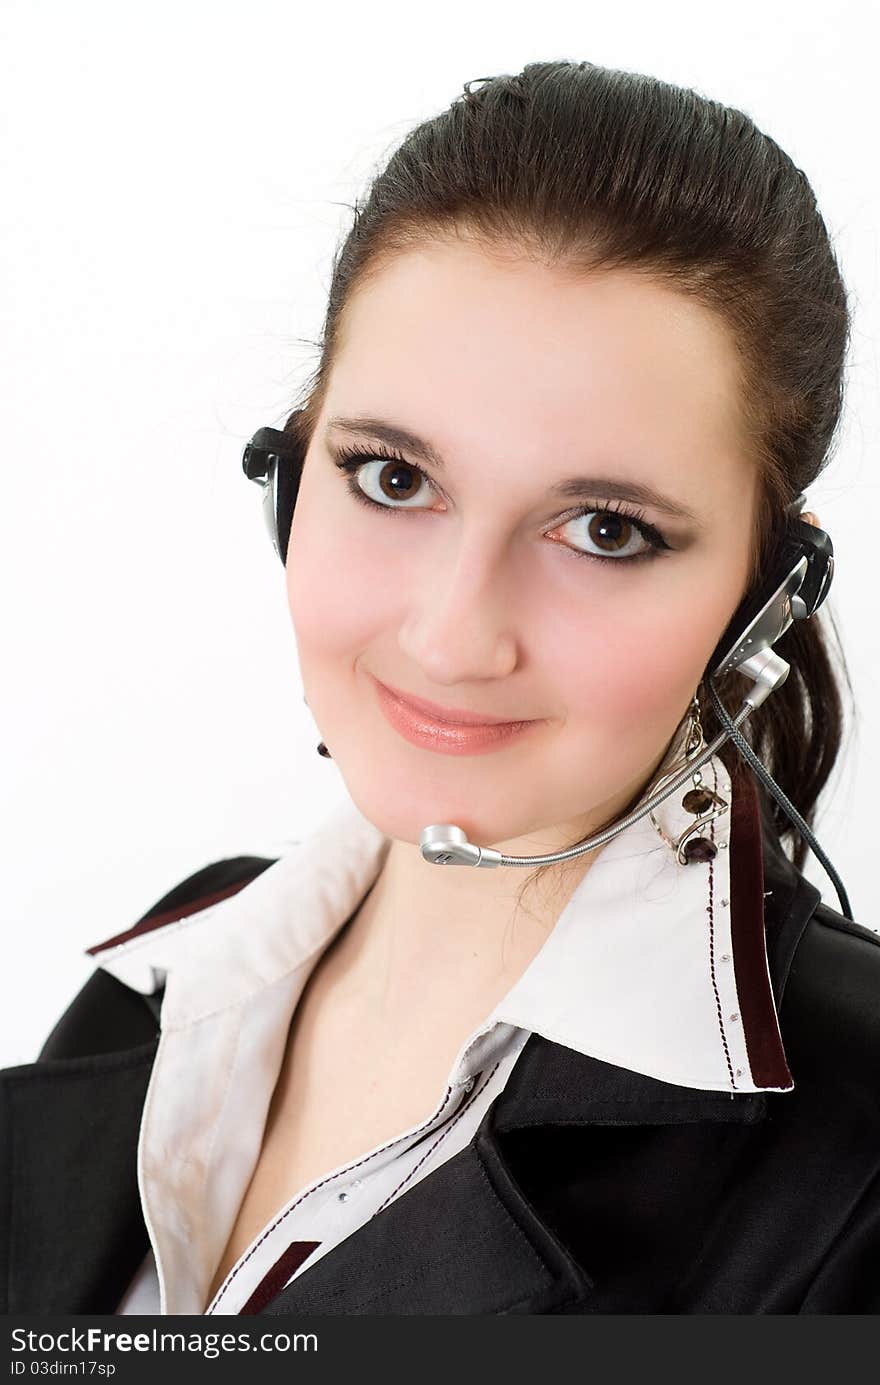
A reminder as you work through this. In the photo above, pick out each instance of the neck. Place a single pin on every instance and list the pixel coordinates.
(434, 943)
(453, 939)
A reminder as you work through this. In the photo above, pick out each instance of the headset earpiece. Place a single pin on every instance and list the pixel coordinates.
(795, 584)
(274, 459)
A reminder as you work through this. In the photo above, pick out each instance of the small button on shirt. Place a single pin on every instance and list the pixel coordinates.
(639, 970)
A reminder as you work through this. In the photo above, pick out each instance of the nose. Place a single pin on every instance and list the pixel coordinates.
(460, 623)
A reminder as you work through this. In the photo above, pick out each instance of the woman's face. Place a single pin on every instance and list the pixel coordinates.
(478, 586)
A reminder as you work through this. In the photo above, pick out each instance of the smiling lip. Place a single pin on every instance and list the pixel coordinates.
(456, 716)
(414, 720)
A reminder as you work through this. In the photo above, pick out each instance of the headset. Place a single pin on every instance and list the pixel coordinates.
(795, 584)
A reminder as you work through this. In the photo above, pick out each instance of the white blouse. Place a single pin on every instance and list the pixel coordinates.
(640, 970)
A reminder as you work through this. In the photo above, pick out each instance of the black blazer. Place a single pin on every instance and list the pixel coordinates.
(587, 1188)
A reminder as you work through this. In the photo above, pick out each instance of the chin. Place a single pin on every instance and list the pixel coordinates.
(403, 812)
(402, 790)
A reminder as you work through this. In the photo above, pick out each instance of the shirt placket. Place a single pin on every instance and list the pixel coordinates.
(331, 1208)
(332, 1196)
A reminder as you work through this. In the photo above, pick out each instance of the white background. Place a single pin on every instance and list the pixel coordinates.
(175, 178)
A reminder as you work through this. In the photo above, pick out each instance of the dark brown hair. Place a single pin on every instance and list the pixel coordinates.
(586, 167)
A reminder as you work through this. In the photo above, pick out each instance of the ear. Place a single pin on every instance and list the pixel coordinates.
(809, 518)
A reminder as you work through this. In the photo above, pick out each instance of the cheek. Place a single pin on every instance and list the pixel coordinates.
(338, 588)
(634, 662)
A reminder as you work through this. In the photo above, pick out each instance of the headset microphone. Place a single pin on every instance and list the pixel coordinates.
(794, 587)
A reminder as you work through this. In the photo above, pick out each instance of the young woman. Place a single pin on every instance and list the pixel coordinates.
(584, 347)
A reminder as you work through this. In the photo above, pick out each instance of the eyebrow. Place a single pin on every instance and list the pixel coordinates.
(609, 487)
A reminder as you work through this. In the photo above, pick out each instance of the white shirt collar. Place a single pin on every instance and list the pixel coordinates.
(641, 970)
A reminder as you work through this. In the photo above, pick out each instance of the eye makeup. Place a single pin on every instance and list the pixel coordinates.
(352, 459)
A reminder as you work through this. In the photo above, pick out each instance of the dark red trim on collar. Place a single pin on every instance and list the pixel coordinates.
(182, 910)
(760, 1022)
(275, 1279)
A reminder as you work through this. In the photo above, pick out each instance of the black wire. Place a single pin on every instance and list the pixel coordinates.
(784, 802)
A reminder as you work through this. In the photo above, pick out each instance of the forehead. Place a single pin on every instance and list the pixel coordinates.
(508, 353)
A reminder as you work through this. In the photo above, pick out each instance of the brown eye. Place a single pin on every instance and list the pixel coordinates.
(613, 535)
(389, 482)
(398, 481)
(609, 531)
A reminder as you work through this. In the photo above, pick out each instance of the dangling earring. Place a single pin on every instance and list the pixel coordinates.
(702, 801)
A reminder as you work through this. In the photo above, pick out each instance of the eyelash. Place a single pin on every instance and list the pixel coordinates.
(351, 459)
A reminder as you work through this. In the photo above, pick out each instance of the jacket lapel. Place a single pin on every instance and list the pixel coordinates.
(465, 1239)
